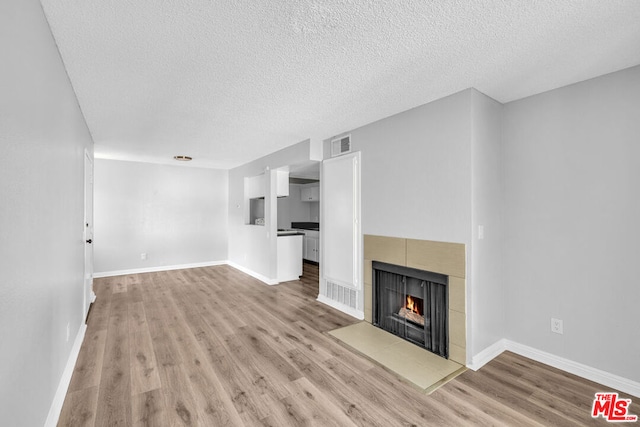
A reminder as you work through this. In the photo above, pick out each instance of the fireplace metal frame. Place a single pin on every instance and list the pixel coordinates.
(423, 275)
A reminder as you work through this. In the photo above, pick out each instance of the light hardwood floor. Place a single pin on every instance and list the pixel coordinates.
(213, 347)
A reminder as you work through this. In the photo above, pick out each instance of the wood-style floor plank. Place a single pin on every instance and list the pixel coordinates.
(144, 369)
(212, 346)
(89, 364)
(114, 397)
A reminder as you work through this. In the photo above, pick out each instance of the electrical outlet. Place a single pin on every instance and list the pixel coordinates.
(68, 331)
(556, 326)
(143, 255)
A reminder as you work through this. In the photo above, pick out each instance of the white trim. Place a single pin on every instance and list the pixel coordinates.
(161, 268)
(488, 354)
(65, 381)
(593, 374)
(252, 273)
(341, 307)
(601, 377)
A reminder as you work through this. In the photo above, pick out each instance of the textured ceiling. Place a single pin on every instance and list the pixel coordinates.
(227, 82)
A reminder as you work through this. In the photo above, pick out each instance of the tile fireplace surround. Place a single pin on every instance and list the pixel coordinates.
(439, 257)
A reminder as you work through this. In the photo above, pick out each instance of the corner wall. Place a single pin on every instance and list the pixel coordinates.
(43, 136)
(176, 215)
(486, 300)
(417, 177)
(571, 175)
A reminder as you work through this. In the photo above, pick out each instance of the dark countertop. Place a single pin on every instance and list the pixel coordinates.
(289, 233)
(314, 226)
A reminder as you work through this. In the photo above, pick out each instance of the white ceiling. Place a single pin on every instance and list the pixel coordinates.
(227, 82)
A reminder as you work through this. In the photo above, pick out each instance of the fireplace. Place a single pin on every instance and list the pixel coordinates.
(412, 304)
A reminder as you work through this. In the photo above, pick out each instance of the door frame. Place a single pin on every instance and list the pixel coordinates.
(88, 296)
(356, 281)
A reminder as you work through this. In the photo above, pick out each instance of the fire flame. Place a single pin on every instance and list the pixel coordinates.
(411, 305)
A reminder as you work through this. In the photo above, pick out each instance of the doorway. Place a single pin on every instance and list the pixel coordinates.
(341, 242)
(88, 296)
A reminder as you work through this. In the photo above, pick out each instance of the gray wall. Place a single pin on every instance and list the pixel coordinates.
(416, 172)
(175, 214)
(43, 137)
(433, 173)
(485, 299)
(571, 177)
(293, 209)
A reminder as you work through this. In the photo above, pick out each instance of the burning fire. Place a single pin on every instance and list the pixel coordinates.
(412, 310)
(412, 305)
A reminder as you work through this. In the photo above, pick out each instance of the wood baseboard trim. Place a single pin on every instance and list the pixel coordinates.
(593, 374)
(159, 268)
(341, 307)
(65, 380)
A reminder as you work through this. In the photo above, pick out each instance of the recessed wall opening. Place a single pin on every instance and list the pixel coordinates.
(412, 304)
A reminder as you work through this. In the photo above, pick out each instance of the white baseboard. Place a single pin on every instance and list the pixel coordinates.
(602, 377)
(155, 269)
(63, 385)
(341, 307)
(593, 374)
(487, 355)
(252, 273)
(245, 270)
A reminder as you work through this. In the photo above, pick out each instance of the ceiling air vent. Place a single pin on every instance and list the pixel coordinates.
(341, 146)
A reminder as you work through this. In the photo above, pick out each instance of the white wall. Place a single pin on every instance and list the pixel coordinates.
(485, 299)
(175, 214)
(417, 177)
(254, 248)
(416, 172)
(571, 177)
(292, 208)
(43, 137)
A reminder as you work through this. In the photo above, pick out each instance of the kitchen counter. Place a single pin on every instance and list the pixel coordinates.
(289, 233)
(289, 256)
(314, 226)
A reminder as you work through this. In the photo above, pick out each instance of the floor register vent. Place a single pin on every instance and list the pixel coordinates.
(341, 294)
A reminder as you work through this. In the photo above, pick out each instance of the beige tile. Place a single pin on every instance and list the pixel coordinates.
(414, 364)
(367, 315)
(368, 272)
(439, 257)
(368, 297)
(437, 363)
(385, 249)
(457, 328)
(365, 337)
(457, 294)
(415, 355)
(457, 354)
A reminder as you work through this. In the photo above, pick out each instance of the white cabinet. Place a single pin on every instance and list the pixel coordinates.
(254, 186)
(282, 183)
(311, 245)
(310, 194)
(311, 248)
(289, 259)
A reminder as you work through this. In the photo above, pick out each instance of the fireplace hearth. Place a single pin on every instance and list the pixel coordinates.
(412, 304)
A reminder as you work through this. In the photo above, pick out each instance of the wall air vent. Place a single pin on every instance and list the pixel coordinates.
(342, 294)
(341, 146)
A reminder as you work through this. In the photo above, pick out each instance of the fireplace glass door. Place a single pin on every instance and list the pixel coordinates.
(412, 304)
